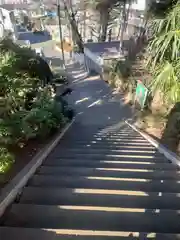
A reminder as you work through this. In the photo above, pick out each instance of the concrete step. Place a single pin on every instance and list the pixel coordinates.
(105, 151)
(103, 144)
(57, 196)
(105, 147)
(138, 164)
(96, 218)
(104, 156)
(92, 182)
(119, 136)
(128, 133)
(107, 139)
(109, 172)
(104, 138)
(104, 135)
(8, 233)
(93, 131)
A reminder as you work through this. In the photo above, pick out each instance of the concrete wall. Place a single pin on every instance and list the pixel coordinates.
(91, 61)
(140, 5)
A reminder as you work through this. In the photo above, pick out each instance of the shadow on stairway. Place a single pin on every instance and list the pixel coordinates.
(103, 181)
(106, 189)
(109, 183)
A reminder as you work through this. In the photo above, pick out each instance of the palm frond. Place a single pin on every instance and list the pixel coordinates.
(166, 42)
(166, 80)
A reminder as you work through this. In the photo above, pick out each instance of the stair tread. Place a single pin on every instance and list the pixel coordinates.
(105, 183)
(110, 164)
(107, 139)
(122, 150)
(99, 185)
(110, 172)
(8, 233)
(117, 155)
(85, 197)
(111, 148)
(42, 216)
(107, 143)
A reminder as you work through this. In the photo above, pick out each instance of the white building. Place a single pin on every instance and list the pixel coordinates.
(6, 23)
(14, 2)
(140, 5)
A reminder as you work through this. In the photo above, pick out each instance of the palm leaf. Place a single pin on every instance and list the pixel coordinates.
(166, 42)
(166, 80)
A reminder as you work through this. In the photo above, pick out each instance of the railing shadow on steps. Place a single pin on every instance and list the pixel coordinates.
(153, 188)
(151, 193)
(93, 139)
(137, 170)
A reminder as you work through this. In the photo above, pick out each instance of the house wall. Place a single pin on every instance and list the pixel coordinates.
(7, 25)
(141, 4)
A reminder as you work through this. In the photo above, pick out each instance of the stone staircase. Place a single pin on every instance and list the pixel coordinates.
(102, 185)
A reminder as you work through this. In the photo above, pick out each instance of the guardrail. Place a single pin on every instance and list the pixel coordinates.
(91, 61)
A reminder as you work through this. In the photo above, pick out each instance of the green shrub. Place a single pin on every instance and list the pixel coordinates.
(24, 60)
(163, 55)
(45, 115)
(60, 78)
(5, 133)
(27, 109)
(6, 160)
(119, 74)
(122, 68)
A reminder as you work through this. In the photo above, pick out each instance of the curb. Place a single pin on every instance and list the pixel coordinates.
(11, 190)
(174, 158)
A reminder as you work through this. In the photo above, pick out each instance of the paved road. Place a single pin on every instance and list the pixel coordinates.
(107, 49)
(45, 42)
(34, 38)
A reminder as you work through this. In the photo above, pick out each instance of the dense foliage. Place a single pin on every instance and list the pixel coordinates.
(159, 9)
(27, 107)
(164, 55)
(6, 159)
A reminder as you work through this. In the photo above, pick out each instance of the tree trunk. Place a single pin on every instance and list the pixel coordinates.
(99, 31)
(110, 35)
(75, 31)
(127, 16)
(119, 22)
(104, 20)
(84, 33)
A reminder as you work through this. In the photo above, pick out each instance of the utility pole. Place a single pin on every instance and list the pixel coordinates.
(122, 27)
(70, 27)
(60, 31)
(85, 15)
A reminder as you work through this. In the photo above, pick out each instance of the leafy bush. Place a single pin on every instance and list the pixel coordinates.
(6, 160)
(5, 133)
(24, 60)
(122, 69)
(164, 58)
(45, 115)
(119, 73)
(60, 77)
(27, 109)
